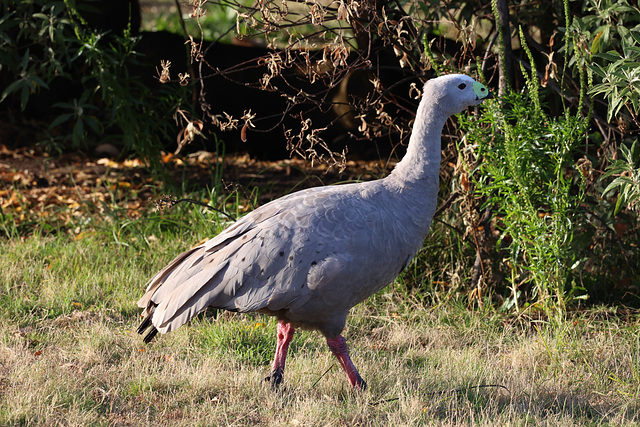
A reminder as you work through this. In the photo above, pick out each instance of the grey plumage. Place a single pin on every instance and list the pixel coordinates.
(309, 257)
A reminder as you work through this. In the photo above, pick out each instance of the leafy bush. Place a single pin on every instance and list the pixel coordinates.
(529, 179)
(620, 77)
(627, 181)
(47, 44)
(534, 171)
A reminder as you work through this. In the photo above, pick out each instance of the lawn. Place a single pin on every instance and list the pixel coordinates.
(69, 353)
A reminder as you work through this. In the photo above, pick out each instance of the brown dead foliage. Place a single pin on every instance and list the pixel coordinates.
(36, 187)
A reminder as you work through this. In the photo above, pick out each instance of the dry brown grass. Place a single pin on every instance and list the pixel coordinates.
(69, 355)
(89, 368)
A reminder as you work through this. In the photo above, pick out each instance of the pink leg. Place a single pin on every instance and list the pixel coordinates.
(285, 334)
(339, 349)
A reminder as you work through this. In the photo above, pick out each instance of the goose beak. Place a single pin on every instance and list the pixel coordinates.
(489, 95)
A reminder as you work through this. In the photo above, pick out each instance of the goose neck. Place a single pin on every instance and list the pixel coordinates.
(421, 163)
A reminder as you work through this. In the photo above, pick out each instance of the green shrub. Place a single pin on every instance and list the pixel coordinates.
(46, 41)
(529, 177)
(534, 168)
(627, 181)
(619, 75)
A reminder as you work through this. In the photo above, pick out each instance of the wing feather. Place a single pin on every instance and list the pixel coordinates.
(157, 280)
(180, 305)
(274, 258)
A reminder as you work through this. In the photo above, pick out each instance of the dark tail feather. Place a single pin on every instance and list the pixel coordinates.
(152, 333)
(146, 323)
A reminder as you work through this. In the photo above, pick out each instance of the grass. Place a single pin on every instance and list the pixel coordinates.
(69, 353)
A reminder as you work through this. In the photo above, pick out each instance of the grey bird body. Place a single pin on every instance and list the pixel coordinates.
(306, 258)
(309, 257)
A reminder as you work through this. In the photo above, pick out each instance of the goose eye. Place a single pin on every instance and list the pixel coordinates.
(462, 86)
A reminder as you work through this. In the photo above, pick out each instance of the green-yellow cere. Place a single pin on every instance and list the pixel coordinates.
(480, 90)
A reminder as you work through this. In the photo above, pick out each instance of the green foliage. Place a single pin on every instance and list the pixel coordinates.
(533, 83)
(608, 22)
(529, 179)
(27, 83)
(627, 181)
(620, 76)
(30, 32)
(44, 43)
(606, 42)
(79, 115)
(30, 27)
(532, 170)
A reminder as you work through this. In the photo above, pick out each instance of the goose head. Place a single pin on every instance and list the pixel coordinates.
(453, 93)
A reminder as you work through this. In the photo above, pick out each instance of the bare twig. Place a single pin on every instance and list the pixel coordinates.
(167, 201)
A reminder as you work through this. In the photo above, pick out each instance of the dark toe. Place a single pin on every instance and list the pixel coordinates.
(275, 378)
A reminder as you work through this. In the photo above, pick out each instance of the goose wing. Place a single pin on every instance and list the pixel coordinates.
(269, 259)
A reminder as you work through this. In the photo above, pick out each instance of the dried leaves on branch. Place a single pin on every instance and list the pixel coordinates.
(328, 74)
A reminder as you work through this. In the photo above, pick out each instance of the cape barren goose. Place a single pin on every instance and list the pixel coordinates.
(310, 256)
